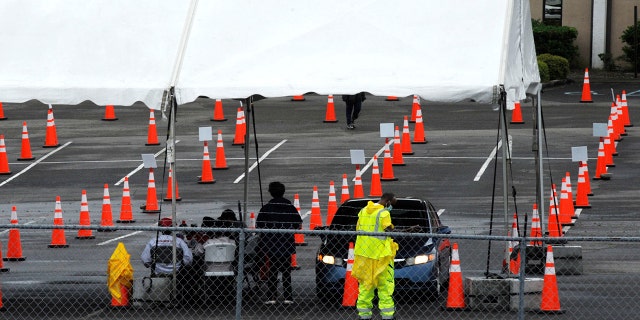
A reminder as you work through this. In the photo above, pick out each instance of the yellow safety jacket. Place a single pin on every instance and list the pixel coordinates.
(372, 253)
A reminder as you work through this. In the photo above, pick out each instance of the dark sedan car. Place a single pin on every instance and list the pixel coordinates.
(421, 263)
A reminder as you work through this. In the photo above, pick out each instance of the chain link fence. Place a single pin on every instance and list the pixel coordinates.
(595, 278)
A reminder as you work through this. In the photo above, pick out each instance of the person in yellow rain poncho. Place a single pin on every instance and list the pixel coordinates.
(120, 276)
(373, 262)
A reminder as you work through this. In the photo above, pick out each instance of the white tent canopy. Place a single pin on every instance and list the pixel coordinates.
(122, 51)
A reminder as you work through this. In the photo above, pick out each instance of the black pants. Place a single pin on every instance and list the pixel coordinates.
(353, 109)
(279, 264)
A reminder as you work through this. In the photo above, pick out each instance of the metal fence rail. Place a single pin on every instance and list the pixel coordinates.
(596, 278)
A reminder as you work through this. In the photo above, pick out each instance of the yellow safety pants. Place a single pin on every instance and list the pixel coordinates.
(385, 283)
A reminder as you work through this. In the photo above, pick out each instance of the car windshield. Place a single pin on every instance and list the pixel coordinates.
(406, 213)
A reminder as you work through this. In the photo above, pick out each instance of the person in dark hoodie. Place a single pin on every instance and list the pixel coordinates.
(278, 248)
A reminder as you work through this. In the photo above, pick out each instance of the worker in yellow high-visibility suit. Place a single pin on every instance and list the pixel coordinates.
(373, 262)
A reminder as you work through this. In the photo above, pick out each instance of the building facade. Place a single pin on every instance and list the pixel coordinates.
(600, 23)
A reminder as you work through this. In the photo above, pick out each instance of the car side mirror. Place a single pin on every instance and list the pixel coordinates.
(444, 230)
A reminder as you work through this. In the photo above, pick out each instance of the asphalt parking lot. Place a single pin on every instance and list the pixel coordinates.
(295, 147)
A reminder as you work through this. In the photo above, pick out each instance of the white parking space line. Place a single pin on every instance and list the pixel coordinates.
(119, 238)
(264, 156)
(34, 163)
(370, 163)
(141, 166)
(487, 161)
(7, 230)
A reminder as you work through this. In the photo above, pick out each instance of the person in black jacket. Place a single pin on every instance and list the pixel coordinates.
(278, 248)
(354, 105)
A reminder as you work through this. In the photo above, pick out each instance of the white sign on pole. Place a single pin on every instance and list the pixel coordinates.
(579, 154)
(149, 160)
(205, 134)
(357, 156)
(600, 130)
(387, 130)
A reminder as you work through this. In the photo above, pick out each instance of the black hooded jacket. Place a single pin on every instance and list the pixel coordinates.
(278, 213)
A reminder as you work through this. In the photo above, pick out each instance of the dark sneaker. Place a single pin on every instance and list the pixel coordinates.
(350, 126)
(288, 302)
(270, 302)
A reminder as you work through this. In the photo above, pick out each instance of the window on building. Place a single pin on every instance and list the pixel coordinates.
(553, 12)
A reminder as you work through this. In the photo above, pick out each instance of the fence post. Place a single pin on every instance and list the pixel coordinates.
(240, 277)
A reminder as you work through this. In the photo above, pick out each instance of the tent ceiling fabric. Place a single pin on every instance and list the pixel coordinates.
(120, 52)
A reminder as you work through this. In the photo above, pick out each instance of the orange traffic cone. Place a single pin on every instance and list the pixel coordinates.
(85, 219)
(344, 196)
(572, 206)
(51, 136)
(107, 214)
(207, 173)
(169, 194)
(252, 221)
(298, 98)
(25, 154)
(152, 133)
(516, 114)
(298, 237)
(350, 291)
(2, 117)
(397, 159)
(514, 261)
(601, 166)
(376, 186)
(536, 227)
(109, 113)
(609, 150)
(455, 296)
(618, 121)
(418, 131)
(387, 166)
(151, 206)
(415, 106)
(625, 110)
(58, 239)
(392, 98)
(554, 227)
(332, 205)
(14, 246)
(4, 160)
(584, 168)
(126, 212)
(586, 88)
(582, 192)
(316, 216)
(330, 115)
(124, 297)
(2, 268)
(294, 262)
(565, 209)
(221, 159)
(358, 190)
(241, 128)
(406, 137)
(550, 301)
(218, 111)
(2, 308)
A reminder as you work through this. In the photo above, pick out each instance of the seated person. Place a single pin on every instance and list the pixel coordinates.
(164, 263)
(226, 220)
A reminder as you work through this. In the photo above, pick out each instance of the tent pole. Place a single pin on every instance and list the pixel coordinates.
(506, 158)
(247, 136)
(534, 93)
